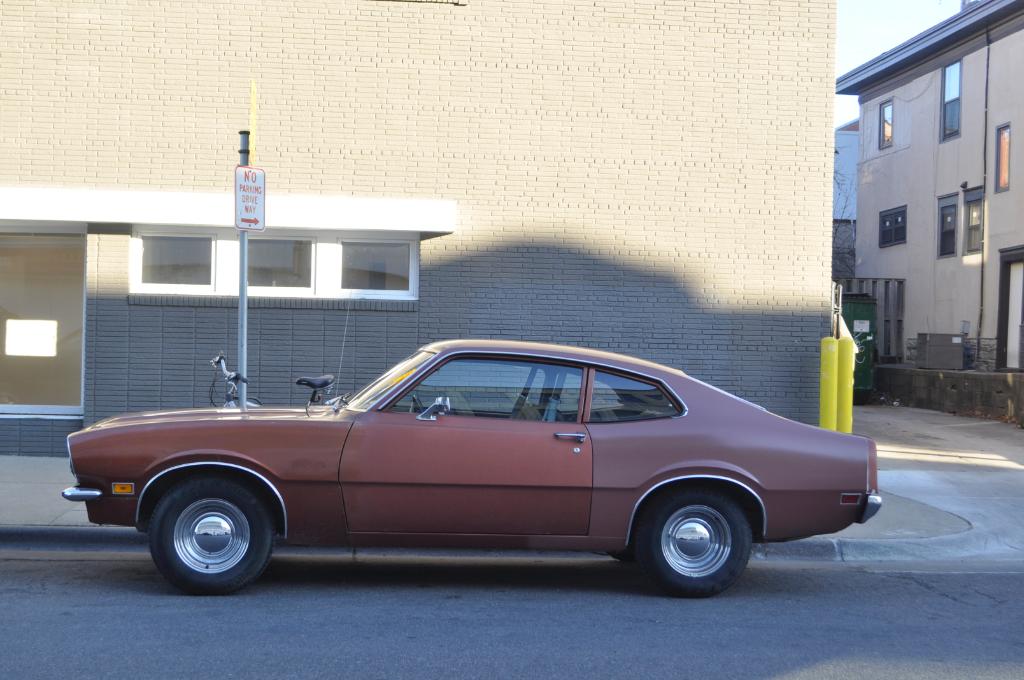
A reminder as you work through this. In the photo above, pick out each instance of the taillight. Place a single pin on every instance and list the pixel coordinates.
(849, 499)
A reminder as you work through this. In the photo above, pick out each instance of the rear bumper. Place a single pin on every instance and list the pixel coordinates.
(77, 493)
(871, 507)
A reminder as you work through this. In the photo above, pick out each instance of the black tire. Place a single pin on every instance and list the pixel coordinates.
(221, 504)
(702, 566)
(626, 555)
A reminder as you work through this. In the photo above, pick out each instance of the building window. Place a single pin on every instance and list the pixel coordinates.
(885, 124)
(974, 215)
(176, 260)
(947, 226)
(951, 101)
(280, 263)
(892, 227)
(1003, 158)
(42, 283)
(284, 263)
(375, 266)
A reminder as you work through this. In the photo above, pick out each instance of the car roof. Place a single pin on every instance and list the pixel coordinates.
(553, 351)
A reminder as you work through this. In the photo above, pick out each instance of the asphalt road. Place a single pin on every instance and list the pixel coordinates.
(107, 613)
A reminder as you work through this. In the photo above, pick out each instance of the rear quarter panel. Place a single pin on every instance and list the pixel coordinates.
(797, 470)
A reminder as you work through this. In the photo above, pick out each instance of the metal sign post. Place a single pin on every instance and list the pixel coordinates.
(250, 199)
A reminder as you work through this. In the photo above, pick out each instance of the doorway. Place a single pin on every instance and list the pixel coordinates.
(1010, 330)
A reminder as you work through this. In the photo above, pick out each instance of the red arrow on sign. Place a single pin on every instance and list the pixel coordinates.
(249, 220)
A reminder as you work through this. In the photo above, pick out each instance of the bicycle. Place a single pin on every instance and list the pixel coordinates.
(232, 378)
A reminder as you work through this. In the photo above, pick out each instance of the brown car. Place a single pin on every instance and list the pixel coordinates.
(479, 444)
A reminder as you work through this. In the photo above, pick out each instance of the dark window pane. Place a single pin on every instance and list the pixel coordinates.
(177, 260)
(951, 118)
(616, 398)
(892, 227)
(375, 266)
(280, 263)
(947, 230)
(494, 388)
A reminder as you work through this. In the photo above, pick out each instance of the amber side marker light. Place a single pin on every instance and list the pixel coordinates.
(849, 499)
(123, 488)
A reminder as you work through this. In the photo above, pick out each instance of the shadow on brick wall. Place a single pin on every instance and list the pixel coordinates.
(144, 353)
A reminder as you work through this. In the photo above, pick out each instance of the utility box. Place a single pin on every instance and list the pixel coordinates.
(940, 350)
(860, 314)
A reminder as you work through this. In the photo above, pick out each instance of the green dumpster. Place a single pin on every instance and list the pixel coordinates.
(859, 315)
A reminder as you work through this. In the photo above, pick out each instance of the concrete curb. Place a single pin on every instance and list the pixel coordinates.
(969, 544)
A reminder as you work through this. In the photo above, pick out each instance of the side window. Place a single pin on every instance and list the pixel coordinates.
(499, 388)
(617, 398)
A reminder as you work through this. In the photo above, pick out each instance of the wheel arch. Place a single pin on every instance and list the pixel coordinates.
(164, 480)
(750, 501)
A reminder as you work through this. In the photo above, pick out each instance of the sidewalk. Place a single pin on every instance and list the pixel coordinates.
(953, 489)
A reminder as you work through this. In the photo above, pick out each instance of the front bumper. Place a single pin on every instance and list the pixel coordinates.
(77, 493)
(871, 507)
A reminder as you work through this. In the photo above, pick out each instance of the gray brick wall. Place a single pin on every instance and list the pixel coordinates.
(35, 436)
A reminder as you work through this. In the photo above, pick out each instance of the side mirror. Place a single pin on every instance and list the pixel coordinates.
(442, 406)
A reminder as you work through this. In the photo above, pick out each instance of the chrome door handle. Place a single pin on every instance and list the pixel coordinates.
(578, 436)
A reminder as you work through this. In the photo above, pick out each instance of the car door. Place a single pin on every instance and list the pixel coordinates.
(511, 457)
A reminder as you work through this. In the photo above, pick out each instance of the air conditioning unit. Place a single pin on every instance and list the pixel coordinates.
(940, 350)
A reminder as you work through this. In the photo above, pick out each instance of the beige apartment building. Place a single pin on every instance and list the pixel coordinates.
(647, 177)
(940, 200)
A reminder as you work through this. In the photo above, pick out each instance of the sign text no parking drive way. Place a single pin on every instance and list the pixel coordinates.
(250, 198)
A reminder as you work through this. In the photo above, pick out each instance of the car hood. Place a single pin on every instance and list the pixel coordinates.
(195, 415)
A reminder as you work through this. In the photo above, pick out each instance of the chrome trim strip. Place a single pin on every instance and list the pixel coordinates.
(212, 463)
(632, 516)
(71, 461)
(439, 356)
(79, 494)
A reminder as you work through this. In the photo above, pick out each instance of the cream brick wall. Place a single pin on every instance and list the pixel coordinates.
(649, 176)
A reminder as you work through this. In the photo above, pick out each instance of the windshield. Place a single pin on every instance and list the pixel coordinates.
(372, 392)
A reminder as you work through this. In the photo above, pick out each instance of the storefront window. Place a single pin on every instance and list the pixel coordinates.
(41, 314)
(281, 263)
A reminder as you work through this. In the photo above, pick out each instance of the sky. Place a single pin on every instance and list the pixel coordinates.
(866, 28)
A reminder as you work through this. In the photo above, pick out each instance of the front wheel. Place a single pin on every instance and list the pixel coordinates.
(693, 543)
(211, 536)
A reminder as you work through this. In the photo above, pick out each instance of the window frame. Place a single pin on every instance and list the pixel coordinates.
(670, 394)
(135, 250)
(999, 158)
(387, 403)
(65, 411)
(886, 213)
(326, 263)
(882, 144)
(958, 99)
(947, 201)
(412, 293)
(972, 196)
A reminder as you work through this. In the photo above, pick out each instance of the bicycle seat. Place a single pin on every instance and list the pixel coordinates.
(316, 383)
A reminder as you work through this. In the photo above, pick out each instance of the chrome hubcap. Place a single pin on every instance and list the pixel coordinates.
(696, 540)
(211, 536)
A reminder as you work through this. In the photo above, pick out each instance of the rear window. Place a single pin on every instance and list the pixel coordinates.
(617, 398)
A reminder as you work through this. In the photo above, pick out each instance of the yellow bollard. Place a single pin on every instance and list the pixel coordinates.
(829, 373)
(844, 384)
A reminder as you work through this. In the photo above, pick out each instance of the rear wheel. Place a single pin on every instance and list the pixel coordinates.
(693, 543)
(211, 536)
